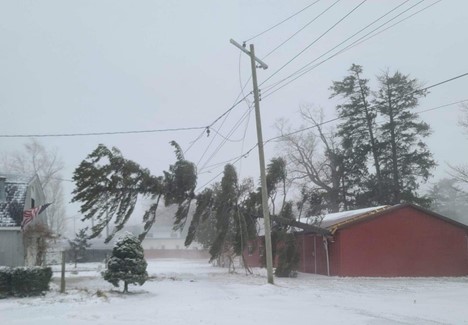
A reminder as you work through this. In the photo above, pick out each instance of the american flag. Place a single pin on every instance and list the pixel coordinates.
(29, 215)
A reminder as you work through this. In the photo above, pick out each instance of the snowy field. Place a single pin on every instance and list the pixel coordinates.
(194, 292)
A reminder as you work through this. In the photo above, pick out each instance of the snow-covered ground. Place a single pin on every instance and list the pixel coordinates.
(194, 292)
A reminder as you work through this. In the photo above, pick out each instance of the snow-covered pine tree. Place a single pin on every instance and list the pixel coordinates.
(127, 262)
(79, 245)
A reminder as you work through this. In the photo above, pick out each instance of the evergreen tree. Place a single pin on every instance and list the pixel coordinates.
(127, 263)
(221, 218)
(79, 245)
(405, 158)
(282, 239)
(358, 132)
(107, 185)
(394, 147)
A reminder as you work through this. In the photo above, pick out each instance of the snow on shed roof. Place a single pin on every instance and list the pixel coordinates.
(333, 219)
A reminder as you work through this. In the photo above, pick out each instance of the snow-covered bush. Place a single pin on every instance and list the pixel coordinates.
(127, 262)
(5, 282)
(24, 281)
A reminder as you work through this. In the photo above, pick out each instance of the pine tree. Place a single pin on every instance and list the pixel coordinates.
(226, 213)
(127, 263)
(358, 132)
(108, 186)
(405, 158)
(79, 245)
(401, 160)
(222, 220)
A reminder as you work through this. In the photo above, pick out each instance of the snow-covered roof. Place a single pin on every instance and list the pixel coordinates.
(15, 189)
(333, 219)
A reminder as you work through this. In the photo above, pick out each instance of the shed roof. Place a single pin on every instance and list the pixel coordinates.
(335, 221)
(16, 186)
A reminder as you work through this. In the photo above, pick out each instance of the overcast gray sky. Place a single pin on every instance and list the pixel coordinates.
(97, 66)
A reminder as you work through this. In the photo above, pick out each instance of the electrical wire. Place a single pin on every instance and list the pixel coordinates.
(400, 21)
(281, 22)
(98, 133)
(315, 41)
(269, 92)
(233, 160)
(443, 82)
(234, 128)
(226, 114)
(300, 30)
(266, 88)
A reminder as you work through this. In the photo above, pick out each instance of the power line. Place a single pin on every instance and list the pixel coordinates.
(230, 109)
(281, 22)
(338, 45)
(315, 41)
(233, 160)
(226, 113)
(304, 70)
(445, 81)
(442, 106)
(301, 29)
(398, 22)
(98, 133)
(234, 128)
(204, 128)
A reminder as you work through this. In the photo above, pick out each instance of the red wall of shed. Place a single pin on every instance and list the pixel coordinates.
(403, 242)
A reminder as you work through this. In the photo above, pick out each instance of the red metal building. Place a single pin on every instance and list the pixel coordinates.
(403, 240)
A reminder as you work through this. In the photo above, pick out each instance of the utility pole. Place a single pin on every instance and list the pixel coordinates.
(261, 156)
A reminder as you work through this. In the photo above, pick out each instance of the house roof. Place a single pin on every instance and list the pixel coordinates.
(339, 220)
(15, 189)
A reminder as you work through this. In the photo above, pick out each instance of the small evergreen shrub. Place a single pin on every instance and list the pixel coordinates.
(127, 263)
(26, 281)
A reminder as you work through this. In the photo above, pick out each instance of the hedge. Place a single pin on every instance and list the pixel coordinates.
(24, 281)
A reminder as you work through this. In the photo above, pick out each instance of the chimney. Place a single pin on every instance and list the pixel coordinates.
(2, 188)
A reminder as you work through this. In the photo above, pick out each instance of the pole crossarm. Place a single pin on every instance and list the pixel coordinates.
(263, 65)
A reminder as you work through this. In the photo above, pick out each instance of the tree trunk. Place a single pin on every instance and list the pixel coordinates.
(125, 287)
(396, 176)
(374, 149)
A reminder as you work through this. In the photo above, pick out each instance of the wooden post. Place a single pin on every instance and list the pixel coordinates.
(62, 279)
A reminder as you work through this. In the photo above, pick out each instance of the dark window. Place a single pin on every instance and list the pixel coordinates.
(250, 250)
(33, 203)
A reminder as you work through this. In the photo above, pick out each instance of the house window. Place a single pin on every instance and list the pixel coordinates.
(250, 250)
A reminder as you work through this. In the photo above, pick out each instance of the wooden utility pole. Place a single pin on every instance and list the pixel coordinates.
(266, 214)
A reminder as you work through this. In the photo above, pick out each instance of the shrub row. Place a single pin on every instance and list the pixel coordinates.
(24, 281)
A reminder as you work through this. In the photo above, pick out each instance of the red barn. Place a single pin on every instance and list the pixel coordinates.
(403, 240)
